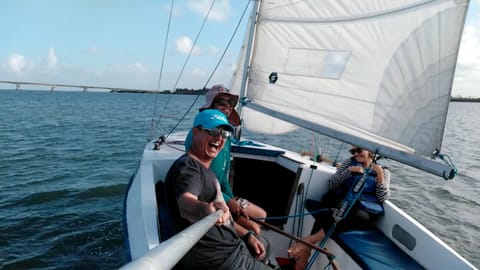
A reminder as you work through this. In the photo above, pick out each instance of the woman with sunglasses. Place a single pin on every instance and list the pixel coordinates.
(367, 208)
(218, 98)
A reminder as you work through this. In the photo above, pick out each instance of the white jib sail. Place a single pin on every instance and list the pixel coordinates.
(379, 70)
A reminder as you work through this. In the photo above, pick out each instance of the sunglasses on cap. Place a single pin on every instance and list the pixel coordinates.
(214, 132)
(357, 150)
(224, 102)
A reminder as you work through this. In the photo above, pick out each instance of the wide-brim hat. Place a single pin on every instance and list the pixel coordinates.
(219, 89)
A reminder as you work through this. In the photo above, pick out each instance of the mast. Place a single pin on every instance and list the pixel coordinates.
(248, 52)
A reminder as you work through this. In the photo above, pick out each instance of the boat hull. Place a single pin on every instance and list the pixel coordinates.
(283, 180)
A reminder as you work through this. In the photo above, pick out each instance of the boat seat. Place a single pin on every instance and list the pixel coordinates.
(164, 225)
(371, 249)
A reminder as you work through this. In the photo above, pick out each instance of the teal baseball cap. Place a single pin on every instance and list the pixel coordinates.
(211, 119)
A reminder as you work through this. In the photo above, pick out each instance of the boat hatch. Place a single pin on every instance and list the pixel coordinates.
(265, 183)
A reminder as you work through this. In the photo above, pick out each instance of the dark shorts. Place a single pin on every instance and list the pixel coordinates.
(241, 259)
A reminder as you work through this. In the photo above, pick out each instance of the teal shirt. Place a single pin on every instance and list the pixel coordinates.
(220, 166)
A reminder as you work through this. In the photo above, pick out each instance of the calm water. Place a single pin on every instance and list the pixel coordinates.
(66, 159)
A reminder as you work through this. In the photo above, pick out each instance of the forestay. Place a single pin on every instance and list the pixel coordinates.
(374, 73)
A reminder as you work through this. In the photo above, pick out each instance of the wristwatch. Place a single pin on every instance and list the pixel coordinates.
(247, 235)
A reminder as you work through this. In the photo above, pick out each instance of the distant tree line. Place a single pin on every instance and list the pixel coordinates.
(202, 91)
(178, 91)
(186, 91)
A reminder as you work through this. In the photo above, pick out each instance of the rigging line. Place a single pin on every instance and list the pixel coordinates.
(316, 146)
(185, 64)
(154, 123)
(229, 43)
(194, 43)
(449, 162)
(216, 66)
(298, 204)
(273, 228)
(301, 209)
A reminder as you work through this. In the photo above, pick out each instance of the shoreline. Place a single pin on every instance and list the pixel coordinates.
(202, 92)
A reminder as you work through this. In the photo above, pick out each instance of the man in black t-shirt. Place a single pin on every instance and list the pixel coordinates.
(193, 192)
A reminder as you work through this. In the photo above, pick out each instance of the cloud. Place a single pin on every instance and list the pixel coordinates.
(16, 63)
(93, 50)
(125, 71)
(213, 50)
(184, 45)
(135, 75)
(220, 11)
(138, 68)
(51, 60)
(469, 48)
(199, 72)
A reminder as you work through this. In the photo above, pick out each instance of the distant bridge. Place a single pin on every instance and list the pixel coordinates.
(53, 87)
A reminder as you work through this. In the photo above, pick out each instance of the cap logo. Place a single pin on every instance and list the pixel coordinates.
(218, 117)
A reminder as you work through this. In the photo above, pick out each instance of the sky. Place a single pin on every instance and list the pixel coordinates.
(120, 43)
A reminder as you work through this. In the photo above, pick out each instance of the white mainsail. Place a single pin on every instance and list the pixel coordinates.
(373, 73)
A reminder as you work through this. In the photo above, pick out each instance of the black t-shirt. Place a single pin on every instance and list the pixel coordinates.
(188, 175)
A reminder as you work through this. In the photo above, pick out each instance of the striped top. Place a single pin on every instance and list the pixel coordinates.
(382, 191)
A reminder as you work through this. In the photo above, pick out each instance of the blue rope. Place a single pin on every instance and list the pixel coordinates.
(293, 216)
(352, 196)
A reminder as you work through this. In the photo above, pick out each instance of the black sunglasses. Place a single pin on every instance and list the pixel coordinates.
(357, 150)
(224, 102)
(214, 132)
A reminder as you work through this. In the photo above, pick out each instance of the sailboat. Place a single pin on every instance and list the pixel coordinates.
(375, 74)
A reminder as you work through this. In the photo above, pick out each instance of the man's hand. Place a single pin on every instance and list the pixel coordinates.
(255, 246)
(356, 169)
(225, 218)
(236, 210)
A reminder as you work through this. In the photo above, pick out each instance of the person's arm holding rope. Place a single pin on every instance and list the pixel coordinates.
(340, 175)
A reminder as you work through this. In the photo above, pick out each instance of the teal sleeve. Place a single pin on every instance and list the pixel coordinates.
(188, 140)
(221, 167)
